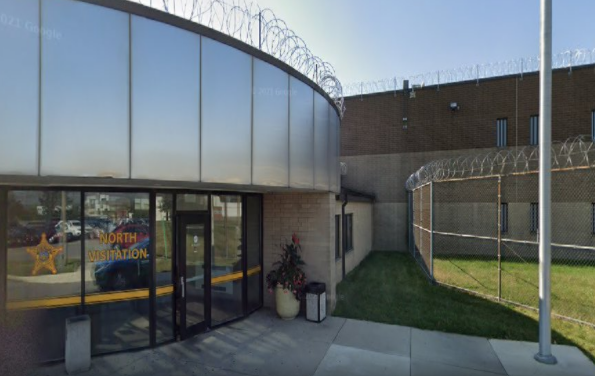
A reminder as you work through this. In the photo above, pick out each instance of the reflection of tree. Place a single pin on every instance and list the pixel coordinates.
(57, 205)
(166, 205)
(49, 202)
(16, 210)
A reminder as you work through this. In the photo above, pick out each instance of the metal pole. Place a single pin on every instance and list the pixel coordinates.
(411, 227)
(63, 237)
(545, 179)
(499, 238)
(432, 229)
(421, 220)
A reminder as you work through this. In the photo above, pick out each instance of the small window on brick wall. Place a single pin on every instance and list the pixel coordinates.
(501, 132)
(504, 217)
(349, 232)
(593, 125)
(337, 236)
(534, 130)
(534, 215)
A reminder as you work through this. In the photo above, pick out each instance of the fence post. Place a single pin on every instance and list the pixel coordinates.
(499, 238)
(410, 218)
(421, 219)
(432, 230)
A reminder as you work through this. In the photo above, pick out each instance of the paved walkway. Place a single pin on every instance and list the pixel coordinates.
(264, 345)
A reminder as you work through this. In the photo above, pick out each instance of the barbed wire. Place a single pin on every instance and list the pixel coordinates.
(574, 153)
(260, 28)
(567, 59)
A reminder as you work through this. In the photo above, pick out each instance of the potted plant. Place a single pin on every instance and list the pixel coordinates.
(288, 280)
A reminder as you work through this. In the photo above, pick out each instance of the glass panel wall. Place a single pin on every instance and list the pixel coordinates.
(164, 252)
(73, 252)
(161, 100)
(270, 152)
(226, 258)
(225, 134)
(19, 92)
(117, 270)
(301, 129)
(321, 142)
(253, 251)
(43, 265)
(90, 58)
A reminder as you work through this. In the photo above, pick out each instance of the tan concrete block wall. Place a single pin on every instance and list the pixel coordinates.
(311, 217)
(363, 214)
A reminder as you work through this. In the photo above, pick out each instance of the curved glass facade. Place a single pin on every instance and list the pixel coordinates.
(135, 263)
(129, 101)
(182, 120)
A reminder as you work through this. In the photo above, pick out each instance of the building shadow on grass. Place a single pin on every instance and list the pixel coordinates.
(389, 287)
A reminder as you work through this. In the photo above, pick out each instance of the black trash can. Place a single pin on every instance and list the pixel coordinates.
(315, 301)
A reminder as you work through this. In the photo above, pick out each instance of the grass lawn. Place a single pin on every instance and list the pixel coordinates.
(573, 287)
(389, 287)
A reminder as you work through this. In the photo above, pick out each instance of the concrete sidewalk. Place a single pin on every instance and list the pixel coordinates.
(265, 345)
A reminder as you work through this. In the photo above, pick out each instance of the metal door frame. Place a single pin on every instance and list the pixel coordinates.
(181, 221)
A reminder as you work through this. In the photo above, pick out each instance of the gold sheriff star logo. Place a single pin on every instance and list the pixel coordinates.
(44, 254)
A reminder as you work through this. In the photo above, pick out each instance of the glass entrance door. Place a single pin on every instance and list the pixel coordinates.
(194, 273)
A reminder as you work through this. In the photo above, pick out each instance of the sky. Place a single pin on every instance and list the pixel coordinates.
(376, 39)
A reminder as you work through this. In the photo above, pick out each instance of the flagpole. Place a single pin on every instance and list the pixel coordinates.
(545, 184)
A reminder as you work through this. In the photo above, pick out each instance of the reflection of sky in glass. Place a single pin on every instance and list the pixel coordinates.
(321, 138)
(165, 101)
(271, 125)
(226, 114)
(302, 135)
(334, 151)
(85, 119)
(19, 88)
(85, 91)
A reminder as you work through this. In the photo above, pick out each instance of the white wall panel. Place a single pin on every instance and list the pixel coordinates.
(271, 126)
(19, 86)
(226, 114)
(165, 101)
(301, 129)
(85, 91)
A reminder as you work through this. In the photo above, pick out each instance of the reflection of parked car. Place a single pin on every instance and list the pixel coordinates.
(124, 274)
(72, 230)
(133, 221)
(98, 224)
(141, 231)
(22, 236)
(42, 227)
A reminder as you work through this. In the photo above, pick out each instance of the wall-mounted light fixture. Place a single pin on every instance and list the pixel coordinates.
(454, 106)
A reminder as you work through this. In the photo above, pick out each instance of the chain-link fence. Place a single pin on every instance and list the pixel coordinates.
(479, 233)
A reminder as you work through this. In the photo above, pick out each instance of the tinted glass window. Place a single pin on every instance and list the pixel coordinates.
(43, 265)
(226, 259)
(118, 260)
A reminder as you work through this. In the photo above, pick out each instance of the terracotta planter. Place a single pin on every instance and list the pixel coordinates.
(286, 304)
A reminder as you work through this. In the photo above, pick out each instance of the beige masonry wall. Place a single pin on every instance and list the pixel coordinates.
(312, 217)
(363, 217)
(384, 175)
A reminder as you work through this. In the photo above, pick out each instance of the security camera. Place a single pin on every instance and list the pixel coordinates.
(454, 106)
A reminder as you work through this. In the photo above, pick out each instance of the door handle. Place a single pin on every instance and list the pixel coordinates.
(183, 287)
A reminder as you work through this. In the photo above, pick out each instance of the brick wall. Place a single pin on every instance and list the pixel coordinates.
(373, 124)
(380, 154)
(312, 217)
